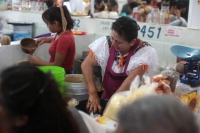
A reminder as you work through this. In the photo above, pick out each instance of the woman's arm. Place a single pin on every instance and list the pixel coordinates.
(59, 59)
(60, 53)
(42, 40)
(127, 82)
(87, 70)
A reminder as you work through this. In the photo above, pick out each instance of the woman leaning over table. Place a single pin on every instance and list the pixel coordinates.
(121, 57)
(62, 47)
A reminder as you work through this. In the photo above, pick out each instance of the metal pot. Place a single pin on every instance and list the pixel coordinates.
(22, 62)
(28, 45)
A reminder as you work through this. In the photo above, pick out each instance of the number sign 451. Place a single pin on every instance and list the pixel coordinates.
(150, 31)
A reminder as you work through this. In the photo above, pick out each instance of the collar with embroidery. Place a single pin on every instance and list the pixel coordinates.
(121, 60)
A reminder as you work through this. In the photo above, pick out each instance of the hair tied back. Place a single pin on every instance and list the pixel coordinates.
(64, 21)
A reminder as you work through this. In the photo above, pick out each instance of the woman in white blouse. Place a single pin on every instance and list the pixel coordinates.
(122, 57)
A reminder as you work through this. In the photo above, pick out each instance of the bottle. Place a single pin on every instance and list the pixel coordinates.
(149, 18)
(135, 14)
(155, 15)
(164, 13)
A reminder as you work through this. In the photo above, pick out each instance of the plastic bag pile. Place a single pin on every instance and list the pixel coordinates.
(152, 86)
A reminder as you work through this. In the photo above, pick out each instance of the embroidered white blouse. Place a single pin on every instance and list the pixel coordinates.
(145, 55)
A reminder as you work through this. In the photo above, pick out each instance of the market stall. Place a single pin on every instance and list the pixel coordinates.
(161, 37)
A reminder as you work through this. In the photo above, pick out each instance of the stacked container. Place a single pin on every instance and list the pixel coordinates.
(58, 74)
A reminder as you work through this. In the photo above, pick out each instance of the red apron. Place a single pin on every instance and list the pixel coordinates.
(112, 81)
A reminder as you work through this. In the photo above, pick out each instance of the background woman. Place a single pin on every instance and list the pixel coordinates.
(62, 47)
(121, 57)
(99, 6)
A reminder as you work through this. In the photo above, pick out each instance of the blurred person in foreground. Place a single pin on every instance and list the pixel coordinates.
(30, 102)
(156, 114)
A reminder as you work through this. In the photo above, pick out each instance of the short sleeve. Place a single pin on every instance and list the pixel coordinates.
(146, 55)
(63, 45)
(100, 49)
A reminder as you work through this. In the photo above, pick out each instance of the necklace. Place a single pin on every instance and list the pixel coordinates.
(57, 35)
(59, 32)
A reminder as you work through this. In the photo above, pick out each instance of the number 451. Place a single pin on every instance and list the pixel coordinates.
(150, 31)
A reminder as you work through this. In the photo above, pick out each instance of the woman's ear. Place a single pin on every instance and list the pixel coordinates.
(20, 120)
(56, 23)
(133, 42)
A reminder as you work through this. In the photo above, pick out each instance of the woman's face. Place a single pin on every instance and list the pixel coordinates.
(120, 44)
(115, 8)
(99, 6)
(51, 27)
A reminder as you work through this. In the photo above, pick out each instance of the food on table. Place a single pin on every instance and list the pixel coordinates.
(119, 99)
(116, 102)
(77, 32)
(103, 14)
(74, 78)
(163, 84)
(172, 76)
(5, 40)
(79, 13)
(72, 103)
(113, 14)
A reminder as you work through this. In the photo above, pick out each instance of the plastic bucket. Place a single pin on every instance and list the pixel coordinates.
(58, 74)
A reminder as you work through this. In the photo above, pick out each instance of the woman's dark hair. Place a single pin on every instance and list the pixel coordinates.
(148, 1)
(98, 2)
(133, 5)
(49, 3)
(172, 3)
(53, 14)
(113, 3)
(126, 27)
(180, 5)
(157, 114)
(25, 90)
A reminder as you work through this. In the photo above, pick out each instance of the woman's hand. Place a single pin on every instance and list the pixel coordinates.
(34, 60)
(40, 41)
(178, 14)
(93, 104)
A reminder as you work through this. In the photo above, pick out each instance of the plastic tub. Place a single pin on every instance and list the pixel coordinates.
(58, 74)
